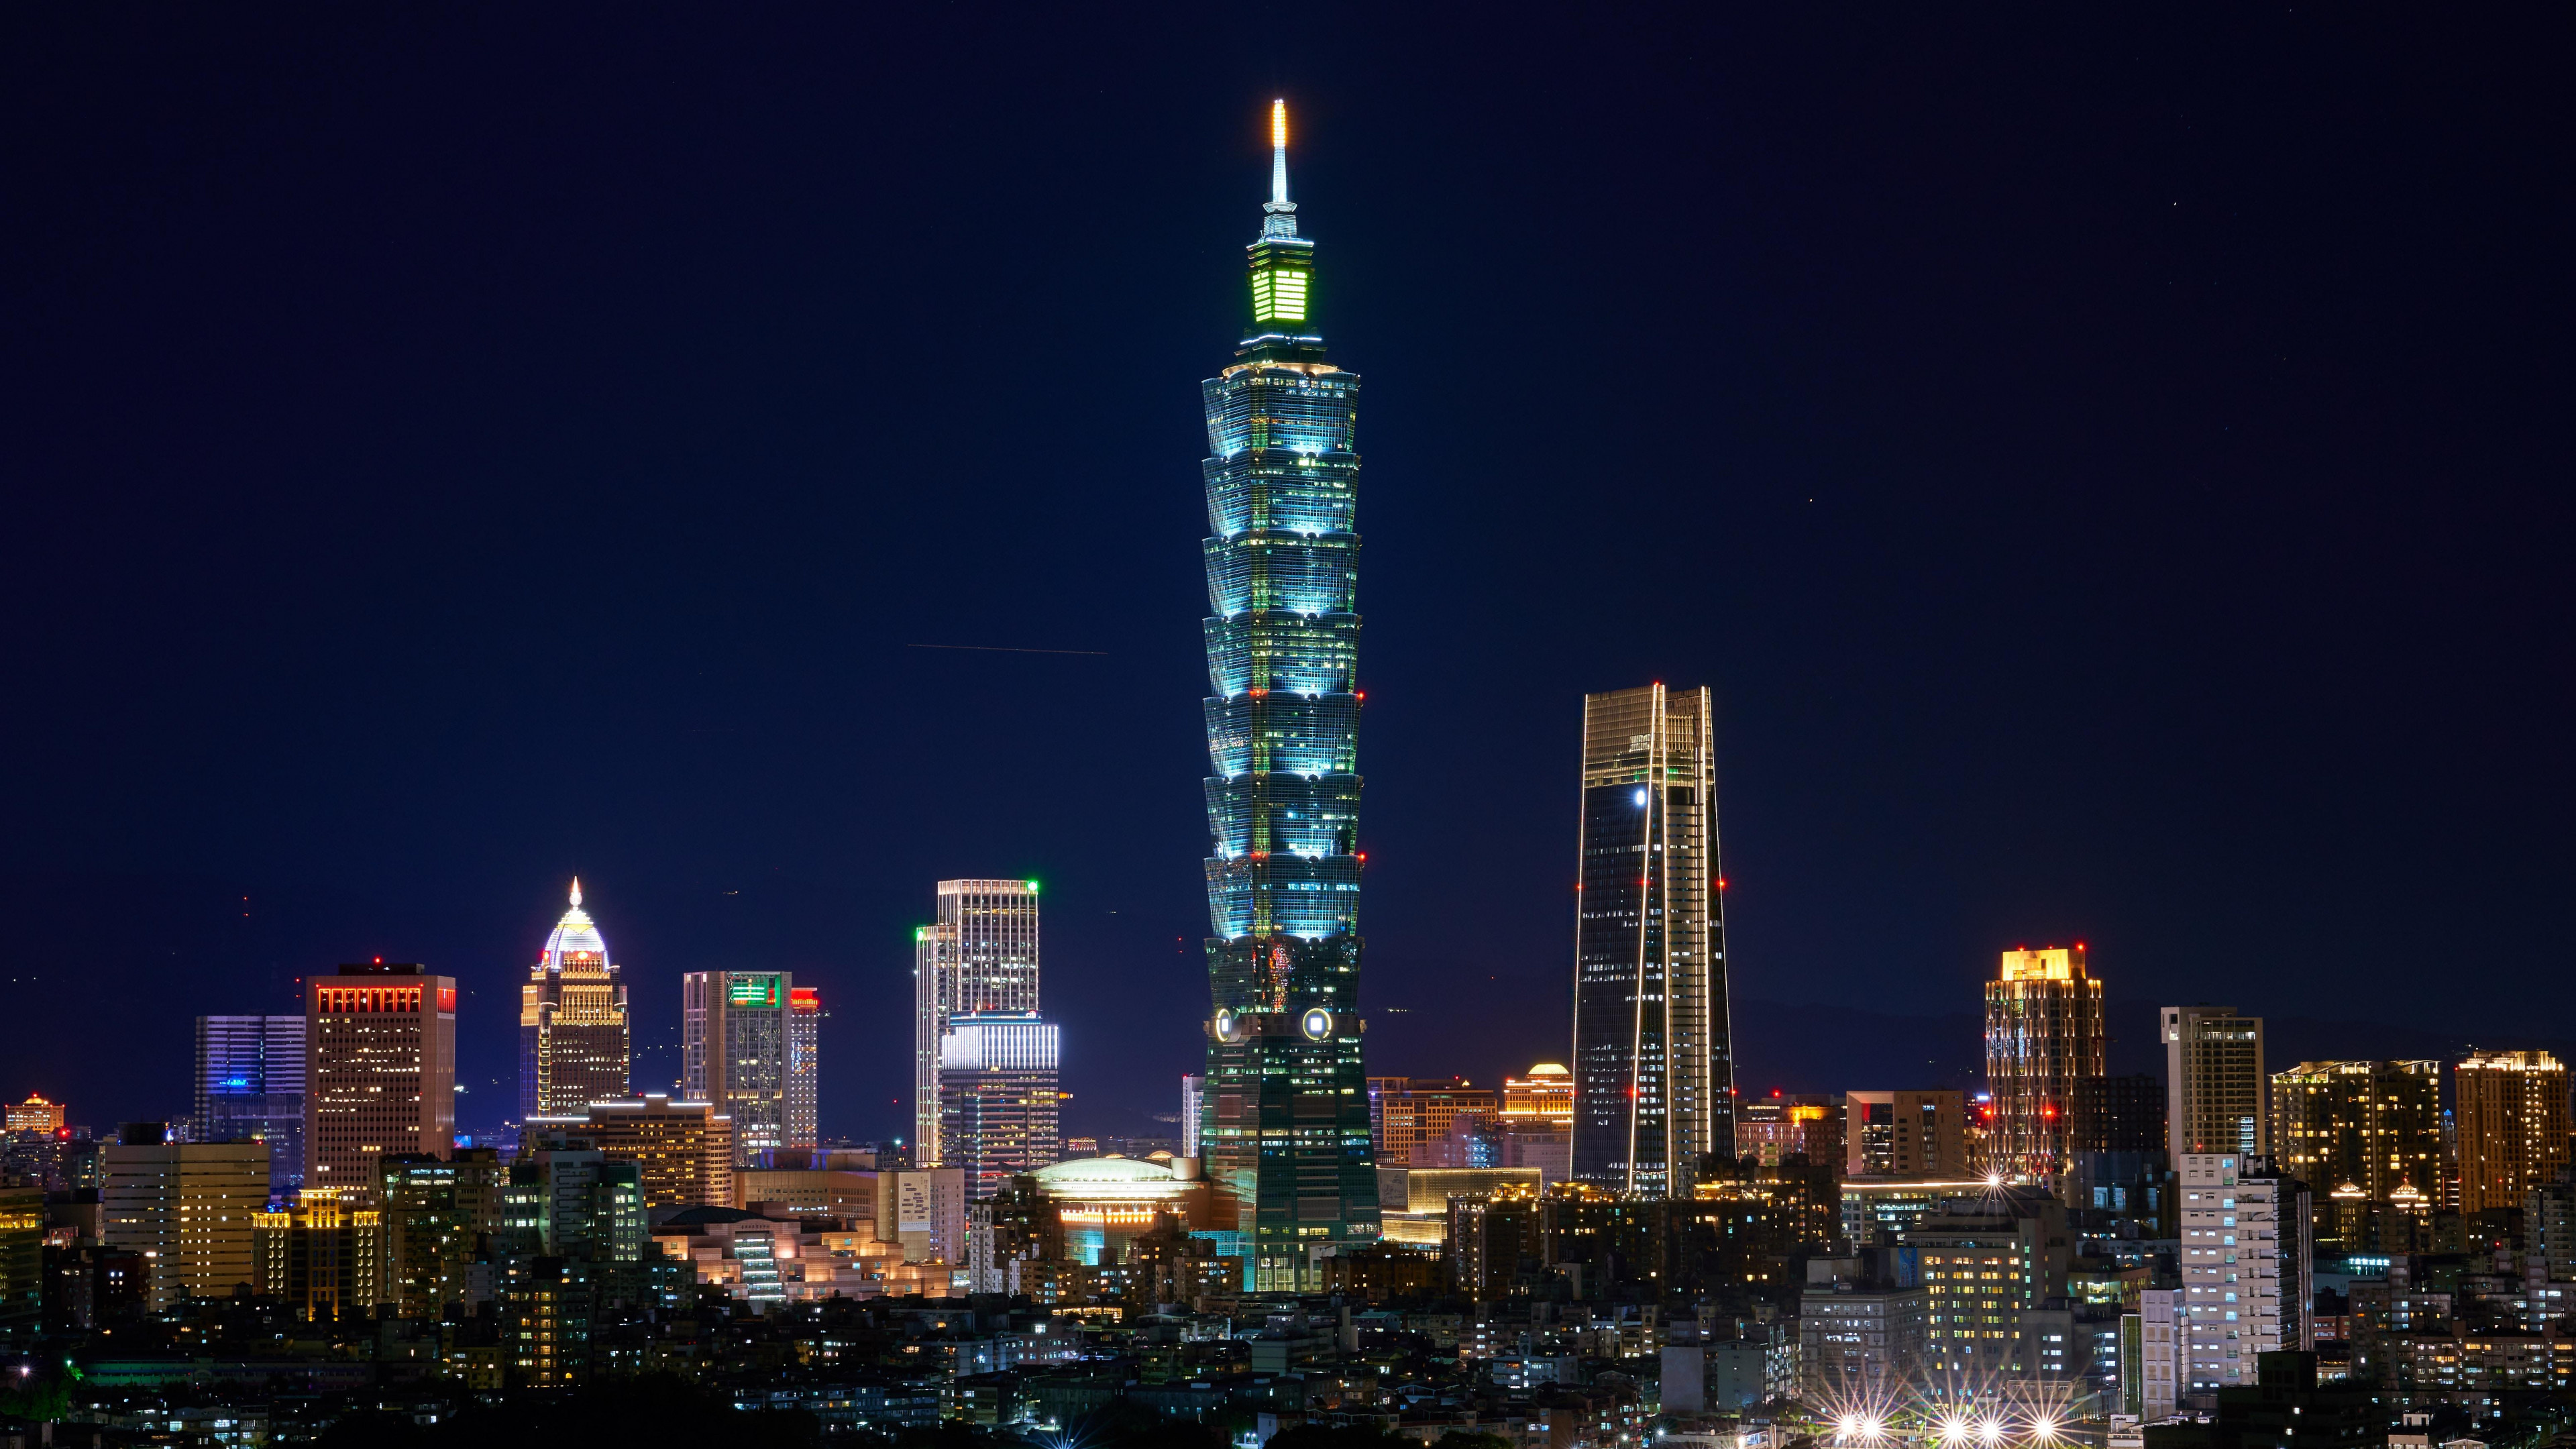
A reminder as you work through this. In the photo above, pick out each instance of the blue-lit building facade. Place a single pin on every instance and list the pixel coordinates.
(1284, 1125)
(250, 1088)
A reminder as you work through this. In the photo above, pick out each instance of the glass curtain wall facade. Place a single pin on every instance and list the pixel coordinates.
(997, 1098)
(1654, 1070)
(250, 1087)
(573, 1036)
(734, 1053)
(980, 955)
(1285, 1127)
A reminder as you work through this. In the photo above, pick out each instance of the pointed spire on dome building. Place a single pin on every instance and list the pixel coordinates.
(574, 1041)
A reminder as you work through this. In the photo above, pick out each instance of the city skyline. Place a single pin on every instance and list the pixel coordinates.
(2075, 489)
(1883, 850)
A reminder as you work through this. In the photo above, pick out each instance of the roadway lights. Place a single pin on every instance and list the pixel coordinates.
(1990, 1431)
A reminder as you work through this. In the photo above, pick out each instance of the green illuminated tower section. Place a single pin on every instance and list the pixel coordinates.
(1285, 1127)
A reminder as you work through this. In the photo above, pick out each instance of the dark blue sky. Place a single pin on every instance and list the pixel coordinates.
(2114, 472)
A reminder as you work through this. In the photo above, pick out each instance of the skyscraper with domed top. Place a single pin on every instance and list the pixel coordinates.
(573, 1035)
(1285, 1126)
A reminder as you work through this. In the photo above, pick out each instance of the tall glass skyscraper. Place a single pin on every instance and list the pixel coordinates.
(250, 1086)
(997, 1097)
(1654, 1063)
(980, 955)
(736, 1046)
(1286, 1129)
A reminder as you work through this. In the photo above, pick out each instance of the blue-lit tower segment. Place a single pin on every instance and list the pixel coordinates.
(1285, 1126)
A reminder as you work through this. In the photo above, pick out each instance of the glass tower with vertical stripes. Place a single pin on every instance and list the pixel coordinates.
(1654, 1074)
(1284, 1123)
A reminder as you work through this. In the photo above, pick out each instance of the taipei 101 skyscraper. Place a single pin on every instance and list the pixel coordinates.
(1285, 1129)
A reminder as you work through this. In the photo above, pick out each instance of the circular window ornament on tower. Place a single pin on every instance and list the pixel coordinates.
(1318, 1024)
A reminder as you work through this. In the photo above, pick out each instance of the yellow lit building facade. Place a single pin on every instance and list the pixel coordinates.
(35, 1115)
(380, 1071)
(573, 1034)
(2374, 1126)
(323, 1257)
(2043, 1032)
(187, 1208)
(1544, 1097)
(684, 1150)
(2511, 1118)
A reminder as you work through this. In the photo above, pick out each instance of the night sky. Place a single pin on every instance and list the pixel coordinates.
(2114, 473)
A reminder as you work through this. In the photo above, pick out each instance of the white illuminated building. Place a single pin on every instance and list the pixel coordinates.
(2245, 1271)
(981, 955)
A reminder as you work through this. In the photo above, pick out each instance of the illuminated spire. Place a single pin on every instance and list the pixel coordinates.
(1282, 218)
(1278, 155)
(576, 890)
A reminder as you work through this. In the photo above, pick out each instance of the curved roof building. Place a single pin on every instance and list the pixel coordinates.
(573, 1035)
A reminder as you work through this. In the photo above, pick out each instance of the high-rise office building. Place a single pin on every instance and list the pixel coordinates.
(1546, 1095)
(2160, 1377)
(981, 954)
(2245, 1270)
(2117, 1150)
(379, 1072)
(1808, 1124)
(567, 1199)
(250, 1088)
(2511, 1124)
(36, 1114)
(1654, 1073)
(997, 1098)
(2214, 1081)
(2043, 1032)
(1918, 1133)
(1407, 1114)
(1193, 1102)
(574, 1041)
(685, 1151)
(27, 1269)
(734, 1048)
(2370, 1125)
(435, 1211)
(1286, 1133)
(320, 1255)
(186, 1207)
(804, 1063)
(1989, 1261)
(2120, 1114)
(924, 1209)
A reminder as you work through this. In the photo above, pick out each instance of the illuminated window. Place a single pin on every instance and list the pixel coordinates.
(1278, 295)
